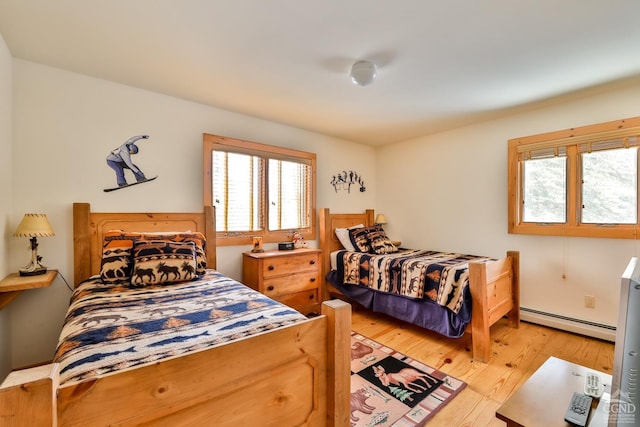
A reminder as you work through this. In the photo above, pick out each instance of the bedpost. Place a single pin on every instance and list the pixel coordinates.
(338, 315)
(514, 313)
(325, 229)
(28, 397)
(210, 233)
(370, 217)
(81, 242)
(480, 326)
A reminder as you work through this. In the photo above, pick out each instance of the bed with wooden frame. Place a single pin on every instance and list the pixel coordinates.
(494, 285)
(295, 375)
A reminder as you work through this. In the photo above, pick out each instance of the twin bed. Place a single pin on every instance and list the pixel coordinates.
(422, 287)
(151, 351)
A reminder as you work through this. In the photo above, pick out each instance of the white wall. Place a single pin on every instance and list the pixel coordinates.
(5, 194)
(446, 191)
(449, 192)
(65, 124)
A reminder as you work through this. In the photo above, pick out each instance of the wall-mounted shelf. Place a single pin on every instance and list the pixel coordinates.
(13, 284)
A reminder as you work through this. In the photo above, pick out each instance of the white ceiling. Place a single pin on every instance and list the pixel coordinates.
(441, 64)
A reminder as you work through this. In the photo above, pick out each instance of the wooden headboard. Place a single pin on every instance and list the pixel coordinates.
(328, 222)
(90, 227)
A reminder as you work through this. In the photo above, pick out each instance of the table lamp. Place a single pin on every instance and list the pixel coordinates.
(381, 219)
(34, 226)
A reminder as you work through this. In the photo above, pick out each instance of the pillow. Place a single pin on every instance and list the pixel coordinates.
(343, 236)
(380, 243)
(158, 262)
(116, 264)
(359, 238)
(117, 260)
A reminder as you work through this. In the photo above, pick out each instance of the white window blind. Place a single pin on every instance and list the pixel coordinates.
(236, 191)
(289, 186)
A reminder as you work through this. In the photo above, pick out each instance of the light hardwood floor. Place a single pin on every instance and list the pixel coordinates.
(516, 354)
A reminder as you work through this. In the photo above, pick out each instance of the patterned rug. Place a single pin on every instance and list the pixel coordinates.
(391, 389)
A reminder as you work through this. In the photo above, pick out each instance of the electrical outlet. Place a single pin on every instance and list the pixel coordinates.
(590, 301)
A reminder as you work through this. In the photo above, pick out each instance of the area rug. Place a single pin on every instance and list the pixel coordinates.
(391, 389)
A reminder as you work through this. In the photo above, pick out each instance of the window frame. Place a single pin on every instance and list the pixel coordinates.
(213, 142)
(570, 139)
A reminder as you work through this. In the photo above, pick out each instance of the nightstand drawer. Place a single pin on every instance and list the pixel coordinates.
(288, 265)
(300, 300)
(274, 287)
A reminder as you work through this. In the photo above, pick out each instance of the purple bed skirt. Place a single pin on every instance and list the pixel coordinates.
(424, 313)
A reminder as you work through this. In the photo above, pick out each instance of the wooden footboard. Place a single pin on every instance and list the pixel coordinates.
(495, 293)
(494, 285)
(298, 375)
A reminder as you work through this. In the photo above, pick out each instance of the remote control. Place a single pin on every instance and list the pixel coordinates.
(593, 385)
(578, 410)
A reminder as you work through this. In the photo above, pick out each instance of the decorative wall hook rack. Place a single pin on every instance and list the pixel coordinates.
(345, 179)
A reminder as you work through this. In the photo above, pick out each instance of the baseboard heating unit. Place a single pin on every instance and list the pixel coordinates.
(578, 326)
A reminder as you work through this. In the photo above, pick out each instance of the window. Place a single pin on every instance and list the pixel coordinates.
(258, 190)
(609, 190)
(545, 190)
(576, 182)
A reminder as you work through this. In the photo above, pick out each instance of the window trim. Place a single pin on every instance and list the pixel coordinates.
(213, 142)
(569, 138)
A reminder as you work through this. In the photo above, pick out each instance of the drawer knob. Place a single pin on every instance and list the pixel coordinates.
(271, 267)
(313, 279)
(313, 261)
(312, 296)
(270, 287)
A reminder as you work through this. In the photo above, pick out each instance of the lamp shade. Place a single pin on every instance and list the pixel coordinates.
(381, 219)
(363, 73)
(34, 225)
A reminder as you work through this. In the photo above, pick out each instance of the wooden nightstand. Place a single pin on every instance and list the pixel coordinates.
(291, 277)
(13, 284)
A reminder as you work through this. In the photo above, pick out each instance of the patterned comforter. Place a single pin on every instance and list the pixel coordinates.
(111, 327)
(418, 274)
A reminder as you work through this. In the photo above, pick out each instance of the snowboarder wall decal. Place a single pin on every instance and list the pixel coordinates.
(119, 159)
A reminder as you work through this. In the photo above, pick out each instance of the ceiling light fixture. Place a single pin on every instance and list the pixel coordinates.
(363, 73)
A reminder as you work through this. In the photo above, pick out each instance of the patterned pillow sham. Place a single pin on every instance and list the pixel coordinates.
(380, 243)
(359, 238)
(117, 246)
(158, 262)
(343, 236)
